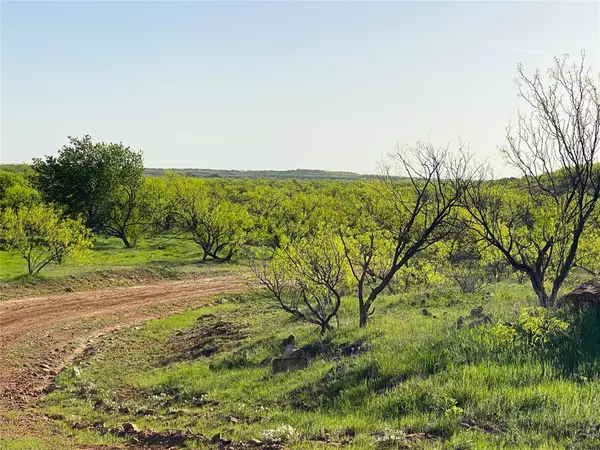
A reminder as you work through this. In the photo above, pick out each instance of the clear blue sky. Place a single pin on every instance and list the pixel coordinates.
(282, 85)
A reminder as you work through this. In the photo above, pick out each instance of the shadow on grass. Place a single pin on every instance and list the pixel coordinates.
(354, 384)
(578, 352)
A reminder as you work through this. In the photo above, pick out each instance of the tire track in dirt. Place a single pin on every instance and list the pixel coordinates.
(39, 335)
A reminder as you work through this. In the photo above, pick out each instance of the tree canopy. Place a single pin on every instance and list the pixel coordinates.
(98, 181)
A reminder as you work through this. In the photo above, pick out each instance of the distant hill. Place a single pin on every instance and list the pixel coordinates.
(303, 174)
(16, 168)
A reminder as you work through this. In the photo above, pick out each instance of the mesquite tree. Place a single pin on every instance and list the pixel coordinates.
(201, 211)
(42, 236)
(398, 218)
(306, 278)
(538, 229)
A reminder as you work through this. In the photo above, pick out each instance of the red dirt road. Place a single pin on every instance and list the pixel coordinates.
(38, 336)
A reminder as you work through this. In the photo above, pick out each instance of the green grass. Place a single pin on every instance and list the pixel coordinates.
(109, 254)
(75, 439)
(417, 376)
(109, 264)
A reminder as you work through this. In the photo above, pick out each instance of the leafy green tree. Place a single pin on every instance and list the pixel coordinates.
(131, 212)
(16, 191)
(157, 206)
(538, 228)
(100, 182)
(41, 236)
(218, 226)
(287, 211)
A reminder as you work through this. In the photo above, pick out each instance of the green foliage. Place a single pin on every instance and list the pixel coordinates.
(16, 191)
(287, 211)
(565, 340)
(41, 236)
(588, 255)
(202, 211)
(538, 327)
(98, 181)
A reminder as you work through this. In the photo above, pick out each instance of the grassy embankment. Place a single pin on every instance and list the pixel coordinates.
(109, 264)
(407, 381)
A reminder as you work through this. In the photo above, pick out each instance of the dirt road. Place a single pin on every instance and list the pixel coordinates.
(38, 336)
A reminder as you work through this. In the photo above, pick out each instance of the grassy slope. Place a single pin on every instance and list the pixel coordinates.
(416, 374)
(108, 265)
(108, 253)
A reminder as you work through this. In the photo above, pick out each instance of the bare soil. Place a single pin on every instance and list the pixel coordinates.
(40, 335)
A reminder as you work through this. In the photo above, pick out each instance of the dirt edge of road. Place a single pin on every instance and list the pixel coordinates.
(40, 336)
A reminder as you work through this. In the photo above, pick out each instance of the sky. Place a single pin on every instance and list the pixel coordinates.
(275, 85)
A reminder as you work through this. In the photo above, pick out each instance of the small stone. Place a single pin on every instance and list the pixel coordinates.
(477, 312)
(485, 320)
(129, 427)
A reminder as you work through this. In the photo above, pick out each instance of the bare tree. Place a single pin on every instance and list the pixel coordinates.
(401, 217)
(555, 147)
(306, 279)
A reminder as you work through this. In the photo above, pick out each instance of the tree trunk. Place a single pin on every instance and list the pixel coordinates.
(537, 283)
(364, 316)
(325, 327)
(229, 256)
(363, 313)
(125, 240)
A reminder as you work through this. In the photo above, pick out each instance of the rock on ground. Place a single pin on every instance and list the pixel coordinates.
(588, 294)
